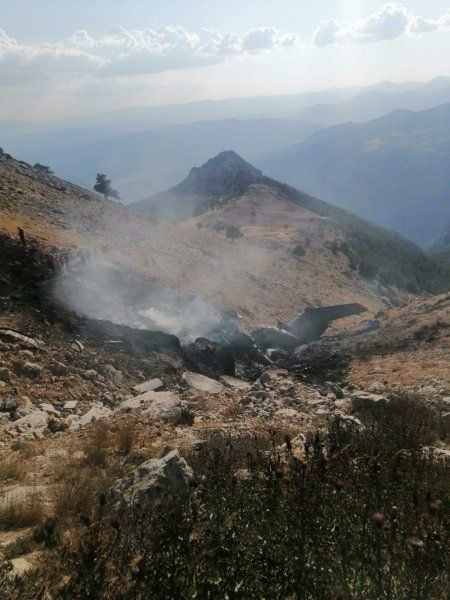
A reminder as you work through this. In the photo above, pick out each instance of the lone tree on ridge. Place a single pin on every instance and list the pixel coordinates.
(103, 186)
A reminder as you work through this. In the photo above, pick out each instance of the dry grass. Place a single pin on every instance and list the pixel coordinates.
(19, 513)
(98, 445)
(80, 482)
(232, 410)
(125, 438)
(13, 468)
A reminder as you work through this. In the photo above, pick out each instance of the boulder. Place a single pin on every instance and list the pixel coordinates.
(4, 375)
(365, 400)
(59, 369)
(273, 374)
(202, 383)
(14, 337)
(112, 374)
(90, 375)
(235, 382)
(35, 420)
(70, 404)
(97, 411)
(162, 404)
(153, 481)
(50, 409)
(28, 369)
(148, 386)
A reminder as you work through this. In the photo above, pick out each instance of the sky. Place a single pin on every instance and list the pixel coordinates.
(67, 58)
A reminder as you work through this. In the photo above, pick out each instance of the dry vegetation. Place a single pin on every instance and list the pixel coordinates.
(361, 515)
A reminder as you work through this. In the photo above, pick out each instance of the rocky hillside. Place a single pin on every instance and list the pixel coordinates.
(228, 191)
(98, 418)
(141, 263)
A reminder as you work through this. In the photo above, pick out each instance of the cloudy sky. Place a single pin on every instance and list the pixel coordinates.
(75, 57)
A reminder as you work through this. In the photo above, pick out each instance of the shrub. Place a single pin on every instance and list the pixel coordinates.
(360, 516)
(299, 251)
(233, 232)
(43, 169)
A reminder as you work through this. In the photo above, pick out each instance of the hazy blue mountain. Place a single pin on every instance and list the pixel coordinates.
(442, 244)
(394, 170)
(376, 103)
(145, 162)
(277, 106)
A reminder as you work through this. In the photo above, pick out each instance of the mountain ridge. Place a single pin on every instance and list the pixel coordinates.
(392, 170)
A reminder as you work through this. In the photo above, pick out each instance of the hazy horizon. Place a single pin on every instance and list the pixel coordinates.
(87, 58)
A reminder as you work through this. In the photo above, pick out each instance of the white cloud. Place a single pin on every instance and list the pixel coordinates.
(268, 38)
(389, 22)
(130, 52)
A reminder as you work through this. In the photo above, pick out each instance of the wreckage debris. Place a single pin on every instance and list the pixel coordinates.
(272, 337)
(313, 322)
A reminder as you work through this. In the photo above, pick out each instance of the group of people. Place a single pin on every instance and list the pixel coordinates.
(58, 262)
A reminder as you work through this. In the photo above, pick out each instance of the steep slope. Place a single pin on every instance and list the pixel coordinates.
(180, 278)
(228, 191)
(393, 170)
(224, 177)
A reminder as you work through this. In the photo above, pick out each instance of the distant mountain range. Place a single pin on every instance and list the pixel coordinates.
(394, 170)
(396, 181)
(144, 162)
(163, 142)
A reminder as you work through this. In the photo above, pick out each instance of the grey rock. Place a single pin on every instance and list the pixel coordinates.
(28, 369)
(112, 374)
(366, 400)
(108, 399)
(161, 404)
(235, 382)
(37, 419)
(90, 374)
(202, 383)
(377, 388)
(70, 404)
(59, 369)
(14, 337)
(4, 374)
(50, 409)
(148, 386)
(95, 413)
(153, 481)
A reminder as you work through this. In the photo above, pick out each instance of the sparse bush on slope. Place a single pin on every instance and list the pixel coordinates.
(361, 516)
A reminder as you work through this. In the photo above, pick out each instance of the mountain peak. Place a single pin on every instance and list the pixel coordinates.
(224, 176)
(219, 180)
(227, 163)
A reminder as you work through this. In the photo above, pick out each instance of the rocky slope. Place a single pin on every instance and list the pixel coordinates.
(255, 279)
(92, 411)
(229, 191)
